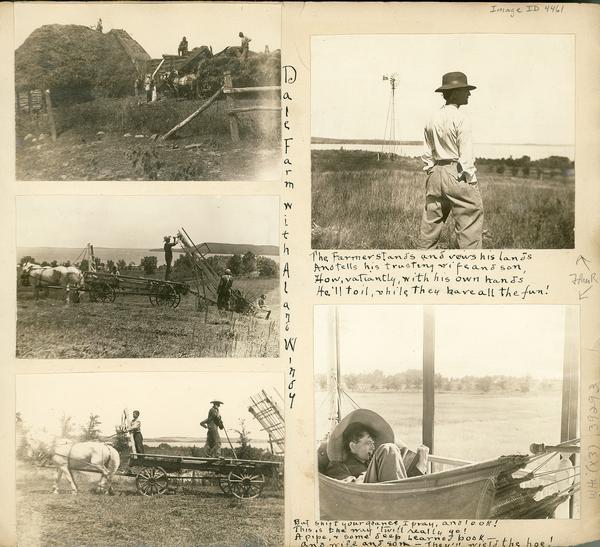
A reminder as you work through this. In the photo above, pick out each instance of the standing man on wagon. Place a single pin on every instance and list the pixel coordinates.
(168, 248)
(451, 174)
(213, 423)
(135, 427)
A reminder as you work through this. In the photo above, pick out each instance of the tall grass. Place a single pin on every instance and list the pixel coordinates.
(382, 209)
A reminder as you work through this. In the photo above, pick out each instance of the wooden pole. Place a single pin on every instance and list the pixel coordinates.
(570, 391)
(193, 115)
(234, 129)
(50, 115)
(428, 375)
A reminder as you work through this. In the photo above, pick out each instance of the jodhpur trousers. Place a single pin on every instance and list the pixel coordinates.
(445, 193)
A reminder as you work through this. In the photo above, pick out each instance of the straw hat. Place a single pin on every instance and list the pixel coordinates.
(216, 402)
(382, 431)
(454, 80)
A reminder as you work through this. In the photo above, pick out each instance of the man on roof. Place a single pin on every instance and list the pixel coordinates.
(362, 448)
(451, 184)
(245, 46)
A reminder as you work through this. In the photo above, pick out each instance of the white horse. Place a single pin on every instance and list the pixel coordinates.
(96, 456)
(48, 276)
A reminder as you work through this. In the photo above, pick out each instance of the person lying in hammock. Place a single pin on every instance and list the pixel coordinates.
(362, 448)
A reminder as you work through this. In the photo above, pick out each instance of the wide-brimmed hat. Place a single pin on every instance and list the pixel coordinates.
(216, 402)
(382, 431)
(454, 80)
(228, 271)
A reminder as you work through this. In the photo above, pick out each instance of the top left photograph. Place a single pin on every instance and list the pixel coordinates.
(109, 91)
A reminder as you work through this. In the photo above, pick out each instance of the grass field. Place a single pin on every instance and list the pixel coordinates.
(468, 426)
(205, 517)
(131, 328)
(379, 207)
(81, 153)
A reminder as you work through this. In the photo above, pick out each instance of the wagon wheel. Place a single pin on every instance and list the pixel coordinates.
(152, 481)
(163, 295)
(225, 485)
(246, 484)
(102, 292)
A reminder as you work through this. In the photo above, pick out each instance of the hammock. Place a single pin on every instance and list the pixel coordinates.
(501, 488)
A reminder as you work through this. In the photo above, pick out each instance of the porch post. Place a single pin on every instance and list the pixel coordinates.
(428, 375)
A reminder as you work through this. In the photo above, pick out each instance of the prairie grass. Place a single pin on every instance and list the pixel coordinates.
(381, 208)
(205, 517)
(131, 328)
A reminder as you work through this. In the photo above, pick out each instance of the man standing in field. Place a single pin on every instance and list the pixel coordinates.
(451, 180)
(168, 248)
(224, 290)
(213, 423)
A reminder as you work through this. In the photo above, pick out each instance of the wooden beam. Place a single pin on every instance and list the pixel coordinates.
(193, 115)
(234, 130)
(570, 391)
(252, 108)
(428, 375)
(50, 115)
(232, 89)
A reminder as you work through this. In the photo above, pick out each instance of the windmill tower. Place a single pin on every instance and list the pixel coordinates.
(389, 133)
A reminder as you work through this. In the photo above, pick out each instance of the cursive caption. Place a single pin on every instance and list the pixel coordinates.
(289, 341)
(396, 533)
(584, 278)
(501, 275)
(523, 9)
(592, 466)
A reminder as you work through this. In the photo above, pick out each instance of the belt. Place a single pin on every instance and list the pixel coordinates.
(445, 162)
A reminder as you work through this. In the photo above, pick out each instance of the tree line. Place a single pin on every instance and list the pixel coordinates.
(525, 166)
(246, 264)
(412, 380)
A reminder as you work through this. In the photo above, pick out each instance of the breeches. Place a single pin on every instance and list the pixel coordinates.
(445, 193)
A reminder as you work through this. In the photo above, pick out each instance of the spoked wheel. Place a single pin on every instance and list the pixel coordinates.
(164, 296)
(152, 481)
(246, 484)
(225, 485)
(102, 292)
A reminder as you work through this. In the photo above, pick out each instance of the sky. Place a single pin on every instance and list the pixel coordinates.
(525, 85)
(170, 404)
(158, 27)
(470, 340)
(140, 222)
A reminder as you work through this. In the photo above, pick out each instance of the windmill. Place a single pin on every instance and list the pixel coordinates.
(389, 134)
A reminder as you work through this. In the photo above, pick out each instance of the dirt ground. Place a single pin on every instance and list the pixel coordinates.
(116, 157)
(203, 517)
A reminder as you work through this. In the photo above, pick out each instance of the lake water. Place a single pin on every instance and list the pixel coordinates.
(491, 151)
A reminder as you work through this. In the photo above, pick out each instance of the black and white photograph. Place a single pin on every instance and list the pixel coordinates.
(447, 412)
(147, 276)
(423, 141)
(147, 91)
(154, 458)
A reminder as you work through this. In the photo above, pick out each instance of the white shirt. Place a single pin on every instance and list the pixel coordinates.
(448, 137)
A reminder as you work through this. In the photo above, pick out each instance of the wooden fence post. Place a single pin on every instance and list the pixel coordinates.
(230, 104)
(50, 115)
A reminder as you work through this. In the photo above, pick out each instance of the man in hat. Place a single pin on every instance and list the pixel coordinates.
(245, 46)
(135, 427)
(224, 290)
(168, 248)
(451, 175)
(362, 449)
(213, 423)
(182, 50)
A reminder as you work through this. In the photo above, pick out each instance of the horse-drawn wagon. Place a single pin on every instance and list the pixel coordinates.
(104, 287)
(156, 474)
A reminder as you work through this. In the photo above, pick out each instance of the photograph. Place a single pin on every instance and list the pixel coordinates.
(147, 276)
(147, 91)
(154, 458)
(447, 412)
(422, 141)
